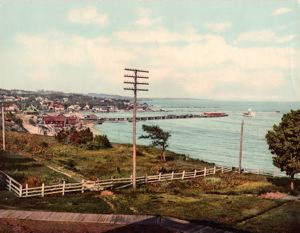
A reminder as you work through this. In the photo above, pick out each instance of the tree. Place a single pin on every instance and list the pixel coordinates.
(284, 143)
(158, 136)
(99, 142)
(73, 136)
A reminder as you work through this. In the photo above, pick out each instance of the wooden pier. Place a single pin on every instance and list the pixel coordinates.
(100, 120)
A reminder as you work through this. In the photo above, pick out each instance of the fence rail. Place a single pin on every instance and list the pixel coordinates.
(21, 191)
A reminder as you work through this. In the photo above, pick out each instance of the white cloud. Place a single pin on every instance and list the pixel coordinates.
(160, 35)
(287, 38)
(144, 19)
(204, 66)
(218, 26)
(87, 16)
(281, 11)
(266, 35)
(258, 36)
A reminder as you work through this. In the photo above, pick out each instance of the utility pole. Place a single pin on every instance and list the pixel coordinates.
(135, 82)
(3, 127)
(241, 147)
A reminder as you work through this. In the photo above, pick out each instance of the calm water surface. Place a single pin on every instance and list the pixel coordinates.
(215, 139)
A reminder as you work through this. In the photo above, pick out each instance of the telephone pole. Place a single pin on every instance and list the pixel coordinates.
(241, 147)
(135, 82)
(3, 127)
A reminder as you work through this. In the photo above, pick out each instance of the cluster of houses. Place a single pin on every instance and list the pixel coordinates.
(60, 111)
(34, 105)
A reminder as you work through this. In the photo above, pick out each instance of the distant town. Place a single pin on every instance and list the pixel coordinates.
(46, 112)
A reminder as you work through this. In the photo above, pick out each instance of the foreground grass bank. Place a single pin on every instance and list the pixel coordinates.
(229, 200)
(115, 161)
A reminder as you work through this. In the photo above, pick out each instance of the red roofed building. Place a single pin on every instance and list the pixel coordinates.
(60, 120)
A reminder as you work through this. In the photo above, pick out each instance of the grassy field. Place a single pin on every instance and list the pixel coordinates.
(104, 163)
(219, 201)
(27, 170)
(228, 200)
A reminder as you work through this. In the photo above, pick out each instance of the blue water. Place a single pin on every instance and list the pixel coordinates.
(210, 139)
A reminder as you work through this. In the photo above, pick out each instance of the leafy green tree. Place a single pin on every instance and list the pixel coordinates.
(158, 136)
(284, 144)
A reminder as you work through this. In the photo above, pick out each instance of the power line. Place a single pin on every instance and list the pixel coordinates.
(135, 83)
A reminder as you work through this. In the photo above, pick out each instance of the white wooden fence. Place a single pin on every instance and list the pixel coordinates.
(11, 184)
(117, 183)
(21, 191)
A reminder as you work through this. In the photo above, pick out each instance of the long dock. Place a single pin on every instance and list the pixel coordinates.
(101, 120)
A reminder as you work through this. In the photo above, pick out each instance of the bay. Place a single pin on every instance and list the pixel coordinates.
(209, 139)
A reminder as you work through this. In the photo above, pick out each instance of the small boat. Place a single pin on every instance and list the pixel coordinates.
(250, 113)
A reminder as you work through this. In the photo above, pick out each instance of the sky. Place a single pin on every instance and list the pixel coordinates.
(217, 49)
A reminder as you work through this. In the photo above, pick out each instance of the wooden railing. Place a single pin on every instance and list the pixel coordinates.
(11, 184)
(20, 191)
(161, 177)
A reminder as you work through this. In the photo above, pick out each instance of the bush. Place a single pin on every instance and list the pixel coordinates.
(31, 121)
(75, 137)
(99, 142)
(71, 164)
(32, 181)
(44, 144)
(61, 136)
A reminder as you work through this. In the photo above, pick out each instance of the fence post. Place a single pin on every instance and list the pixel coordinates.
(195, 173)
(172, 176)
(204, 171)
(146, 178)
(63, 187)
(222, 170)
(159, 176)
(131, 178)
(183, 173)
(82, 186)
(214, 169)
(26, 189)
(21, 191)
(9, 184)
(43, 189)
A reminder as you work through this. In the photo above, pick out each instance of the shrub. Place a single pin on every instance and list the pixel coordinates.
(44, 144)
(71, 164)
(61, 136)
(31, 121)
(32, 181)
(76, 137)
(99, 142)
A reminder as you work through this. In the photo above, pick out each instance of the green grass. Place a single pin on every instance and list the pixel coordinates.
(227, 199)
(27, 170)
(285, 218)
(84, 203)
(103, 163)
(224, 209)
(197, 200)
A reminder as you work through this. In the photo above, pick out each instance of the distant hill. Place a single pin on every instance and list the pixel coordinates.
(107, 96)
